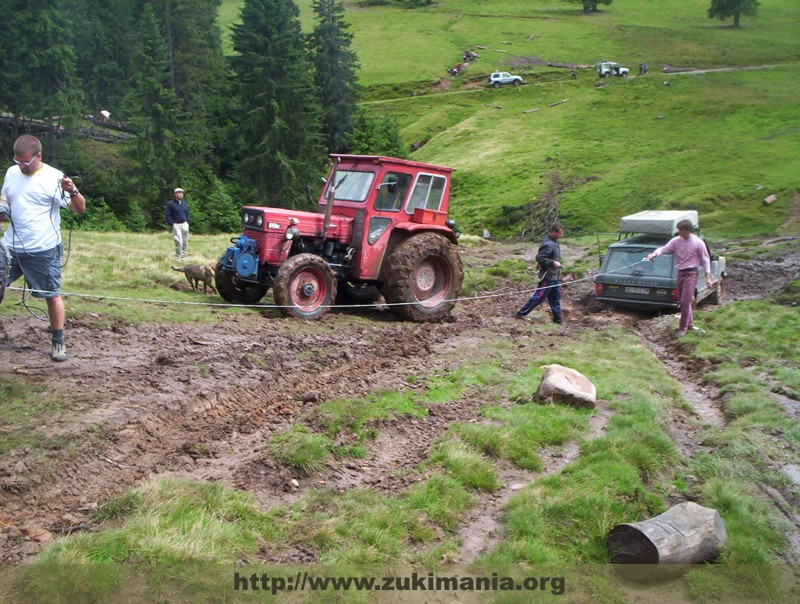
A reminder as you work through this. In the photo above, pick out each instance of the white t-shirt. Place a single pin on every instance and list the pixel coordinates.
(35, 201)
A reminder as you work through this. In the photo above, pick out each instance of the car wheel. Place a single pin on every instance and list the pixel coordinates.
(517, 82)
(496, 85)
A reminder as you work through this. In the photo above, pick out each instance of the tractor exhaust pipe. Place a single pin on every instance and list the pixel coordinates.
(329, 198)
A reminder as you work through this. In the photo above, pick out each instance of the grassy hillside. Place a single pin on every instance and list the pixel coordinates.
(718, 142)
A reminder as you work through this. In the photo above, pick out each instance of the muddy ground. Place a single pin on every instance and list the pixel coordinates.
(202, 401)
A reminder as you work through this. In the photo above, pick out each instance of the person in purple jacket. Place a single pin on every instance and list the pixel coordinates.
(690, 252)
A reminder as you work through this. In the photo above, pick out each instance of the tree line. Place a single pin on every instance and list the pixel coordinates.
(251, 128)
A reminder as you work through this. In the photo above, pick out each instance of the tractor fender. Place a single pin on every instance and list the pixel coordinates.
(412, 228)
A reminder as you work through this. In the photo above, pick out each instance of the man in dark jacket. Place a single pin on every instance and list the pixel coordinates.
(549, 288)
(178, 219)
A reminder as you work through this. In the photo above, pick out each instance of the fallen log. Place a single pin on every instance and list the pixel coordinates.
(687, 533)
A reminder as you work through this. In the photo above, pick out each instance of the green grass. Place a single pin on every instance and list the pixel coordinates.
(301, 448)
(749, 346)
(168, 521)
(129, 276)
(617, 477)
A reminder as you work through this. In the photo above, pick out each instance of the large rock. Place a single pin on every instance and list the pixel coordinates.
(564, 385)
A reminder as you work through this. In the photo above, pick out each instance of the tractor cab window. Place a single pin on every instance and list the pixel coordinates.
(427, 193)
(392, 191)
(351, 186)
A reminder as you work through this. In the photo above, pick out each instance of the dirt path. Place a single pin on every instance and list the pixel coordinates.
(485, 527)
(203, 401)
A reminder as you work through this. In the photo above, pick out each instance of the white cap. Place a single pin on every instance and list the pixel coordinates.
(178, 190)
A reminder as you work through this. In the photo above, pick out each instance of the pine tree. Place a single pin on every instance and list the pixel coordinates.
(154, 111)
(335, 66)
(38, 63)
(280, 119)
(197, 72)
(104, 48)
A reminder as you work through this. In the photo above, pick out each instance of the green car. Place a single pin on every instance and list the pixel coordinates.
(626, 279)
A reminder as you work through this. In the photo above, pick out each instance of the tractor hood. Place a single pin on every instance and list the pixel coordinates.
(309, 224)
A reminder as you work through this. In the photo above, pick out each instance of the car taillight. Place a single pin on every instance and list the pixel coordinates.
(598, 289)
(674, 295)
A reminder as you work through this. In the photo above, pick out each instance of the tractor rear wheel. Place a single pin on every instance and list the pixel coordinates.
(234, 290)
(305, 287)
(423, 277)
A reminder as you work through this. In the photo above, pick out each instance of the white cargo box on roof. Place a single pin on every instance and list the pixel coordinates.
(657, 222)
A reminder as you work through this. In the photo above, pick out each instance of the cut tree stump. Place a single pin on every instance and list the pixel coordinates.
(687, 533)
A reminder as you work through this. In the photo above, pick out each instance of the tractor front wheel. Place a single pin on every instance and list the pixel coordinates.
(234, 290)
(305, 287)
(423, 278)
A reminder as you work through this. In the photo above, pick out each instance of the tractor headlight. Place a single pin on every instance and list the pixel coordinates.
(291, 233)
(259, 220)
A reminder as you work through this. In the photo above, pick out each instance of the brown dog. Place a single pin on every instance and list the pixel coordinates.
(195, 274)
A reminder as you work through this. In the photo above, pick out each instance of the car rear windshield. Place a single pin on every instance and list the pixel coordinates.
(631, 262)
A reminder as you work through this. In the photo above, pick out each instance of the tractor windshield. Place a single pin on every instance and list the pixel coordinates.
(352, 186)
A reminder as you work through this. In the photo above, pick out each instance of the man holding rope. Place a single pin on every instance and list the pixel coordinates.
(32, 196)
(549, 288)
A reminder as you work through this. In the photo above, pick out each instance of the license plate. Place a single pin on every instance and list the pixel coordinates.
(637, 290)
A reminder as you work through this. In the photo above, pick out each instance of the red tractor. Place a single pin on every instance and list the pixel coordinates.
(381, 227)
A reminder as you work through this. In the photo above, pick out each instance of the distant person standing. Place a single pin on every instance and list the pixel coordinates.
(689, 252)
(32, 197)
(178, 219)
(573, 74)
(549, 288)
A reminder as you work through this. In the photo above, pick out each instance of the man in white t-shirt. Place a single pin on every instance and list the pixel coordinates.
(32, 195)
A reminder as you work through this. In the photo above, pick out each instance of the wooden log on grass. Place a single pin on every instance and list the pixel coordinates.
(687, 533)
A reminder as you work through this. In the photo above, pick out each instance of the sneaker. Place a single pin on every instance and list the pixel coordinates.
(681, 333)
(519, 315)
(59, 352)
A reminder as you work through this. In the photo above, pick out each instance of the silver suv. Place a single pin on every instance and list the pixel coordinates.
(498, 78)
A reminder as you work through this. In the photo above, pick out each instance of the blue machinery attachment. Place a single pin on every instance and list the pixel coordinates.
(242, 258)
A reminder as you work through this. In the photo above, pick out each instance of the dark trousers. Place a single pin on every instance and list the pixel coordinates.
(550, 290)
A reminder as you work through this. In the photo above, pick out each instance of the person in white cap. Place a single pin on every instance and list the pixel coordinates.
(178, 219)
